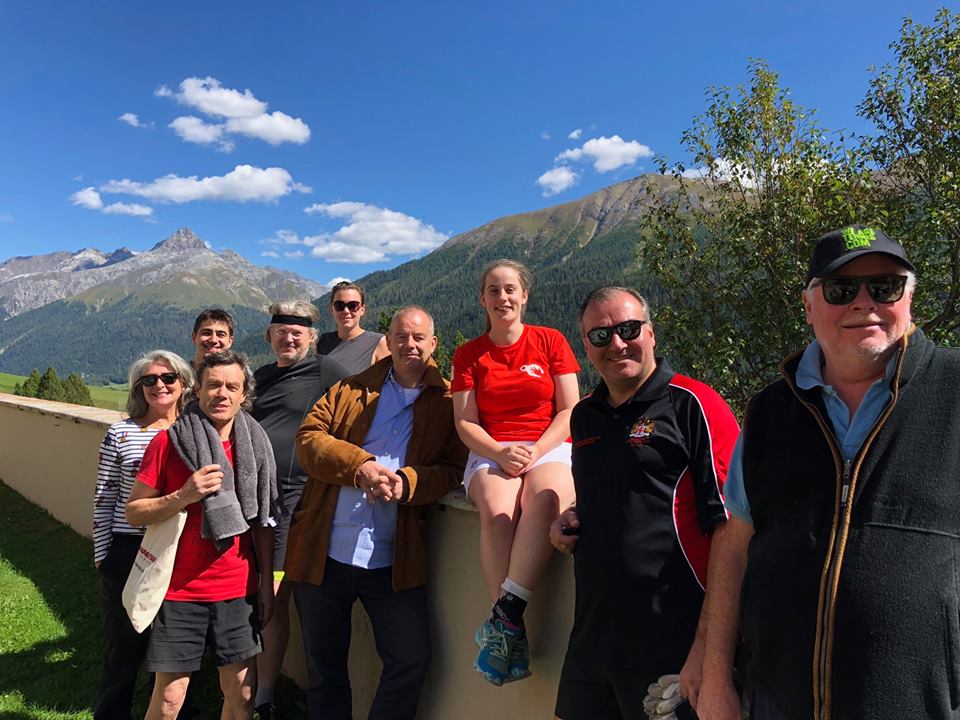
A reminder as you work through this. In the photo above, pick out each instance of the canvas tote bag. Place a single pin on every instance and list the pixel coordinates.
(150, 575)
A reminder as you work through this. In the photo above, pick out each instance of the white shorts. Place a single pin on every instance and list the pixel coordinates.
(560, 454)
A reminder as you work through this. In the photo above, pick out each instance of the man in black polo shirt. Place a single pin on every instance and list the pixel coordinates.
(650, 453)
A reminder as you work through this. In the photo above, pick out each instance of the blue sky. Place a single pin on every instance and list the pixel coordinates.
(338, 138)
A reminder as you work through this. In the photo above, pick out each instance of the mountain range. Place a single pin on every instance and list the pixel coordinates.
(93, 312)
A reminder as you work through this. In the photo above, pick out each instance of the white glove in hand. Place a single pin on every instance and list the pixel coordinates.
(662, 698)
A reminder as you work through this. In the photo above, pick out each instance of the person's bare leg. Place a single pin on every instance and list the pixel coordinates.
(498, 504)
(237, 681)
(169, 690)
(546, 489)
(275, 637)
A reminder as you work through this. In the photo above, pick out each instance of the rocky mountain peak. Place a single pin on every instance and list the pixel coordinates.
(182, 239)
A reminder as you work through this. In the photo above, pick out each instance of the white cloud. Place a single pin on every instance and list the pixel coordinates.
(242, 184)
(294, 254)
(270, 254)
(607, 153)
(283, 237)
(209, 97)
(333, 281)
(133, 121)
(326, 248)
(88, 198)
(6, 218)
(274, 128)
(722, 171)
(243, 112)
(544, 135)
(192, 129)
(557, 180)
(370, 233)
(128, 209)
(575, 134)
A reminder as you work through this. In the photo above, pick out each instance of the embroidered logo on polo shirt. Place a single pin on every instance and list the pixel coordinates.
(587, 441)
(533, 370)
(641, 431)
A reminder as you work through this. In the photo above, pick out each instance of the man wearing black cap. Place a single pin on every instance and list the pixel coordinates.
(841, 559)
(286, 391)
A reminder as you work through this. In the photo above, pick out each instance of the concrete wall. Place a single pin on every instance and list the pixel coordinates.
(48, 453)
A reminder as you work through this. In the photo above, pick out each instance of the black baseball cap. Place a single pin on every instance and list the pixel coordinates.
(837, 248)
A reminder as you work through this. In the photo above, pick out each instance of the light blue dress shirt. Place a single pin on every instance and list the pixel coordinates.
(849, 432)
(362, 533)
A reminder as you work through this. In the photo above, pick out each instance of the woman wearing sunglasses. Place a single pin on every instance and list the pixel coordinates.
(513, 390)
(350, 344)
(160, 384)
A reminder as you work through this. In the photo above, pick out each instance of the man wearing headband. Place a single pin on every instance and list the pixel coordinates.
(286, 391)
(839, 562)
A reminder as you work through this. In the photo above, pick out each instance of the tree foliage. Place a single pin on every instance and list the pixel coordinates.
(29, 387)
(730, 245)
(915, 108)
(50, 386)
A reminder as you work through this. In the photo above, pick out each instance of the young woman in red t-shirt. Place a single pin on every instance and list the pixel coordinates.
(513, 390)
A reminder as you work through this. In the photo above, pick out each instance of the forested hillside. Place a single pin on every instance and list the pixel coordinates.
(72, 337)
(570, 248)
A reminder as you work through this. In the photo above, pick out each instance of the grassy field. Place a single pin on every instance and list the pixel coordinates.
(111, 397)
(50, 648)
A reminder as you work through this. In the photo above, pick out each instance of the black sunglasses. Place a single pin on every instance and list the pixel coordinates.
(882, 288)
(351, 305)
(627, 330)
(167, 378)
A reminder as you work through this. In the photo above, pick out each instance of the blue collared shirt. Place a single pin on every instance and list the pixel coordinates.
(362, 533)
(849, 432)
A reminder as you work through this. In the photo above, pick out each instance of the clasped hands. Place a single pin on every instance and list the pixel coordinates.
(378, 482)
(515, 460)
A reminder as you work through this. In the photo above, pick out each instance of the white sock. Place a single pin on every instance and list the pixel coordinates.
(515, 588)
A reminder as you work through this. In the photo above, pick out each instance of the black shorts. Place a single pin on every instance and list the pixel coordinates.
(182, 629)
(590, 690)
(289, 499)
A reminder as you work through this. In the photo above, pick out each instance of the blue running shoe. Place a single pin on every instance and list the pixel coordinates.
(495, 641)
(518, 667)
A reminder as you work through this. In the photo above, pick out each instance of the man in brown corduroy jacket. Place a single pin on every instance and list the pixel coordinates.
(376, 448)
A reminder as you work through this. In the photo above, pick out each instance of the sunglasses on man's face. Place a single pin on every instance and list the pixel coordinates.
(351, 305)
(166, 378)
(882, 288)
(627, 330)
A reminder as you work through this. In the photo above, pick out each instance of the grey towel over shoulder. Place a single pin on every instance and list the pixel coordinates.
(248, 495)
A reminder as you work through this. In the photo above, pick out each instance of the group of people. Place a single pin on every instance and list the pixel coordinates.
(805, 567)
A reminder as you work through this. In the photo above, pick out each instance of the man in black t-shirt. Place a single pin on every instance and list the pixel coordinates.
(650, 451)
(285, 392)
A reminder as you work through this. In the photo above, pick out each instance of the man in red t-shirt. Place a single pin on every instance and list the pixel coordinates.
(213, 594)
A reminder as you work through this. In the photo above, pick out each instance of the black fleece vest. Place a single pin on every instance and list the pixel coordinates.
(888, 643)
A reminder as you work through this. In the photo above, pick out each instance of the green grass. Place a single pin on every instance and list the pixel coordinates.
(7, 382)
(50, 646)
(111, 397)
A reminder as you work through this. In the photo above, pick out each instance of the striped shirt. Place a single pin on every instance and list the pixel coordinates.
(120, 454)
